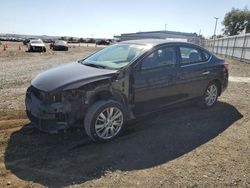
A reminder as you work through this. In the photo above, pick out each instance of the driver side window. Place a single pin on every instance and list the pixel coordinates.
(162, 57)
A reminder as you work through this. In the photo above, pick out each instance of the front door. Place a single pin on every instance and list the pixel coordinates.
(154, 80)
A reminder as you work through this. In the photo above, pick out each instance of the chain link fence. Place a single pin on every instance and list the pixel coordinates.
(237, 46)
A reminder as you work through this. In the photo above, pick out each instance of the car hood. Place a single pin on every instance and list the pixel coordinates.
(64, 76)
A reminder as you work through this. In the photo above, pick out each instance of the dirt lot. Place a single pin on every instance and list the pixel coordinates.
(180, 147)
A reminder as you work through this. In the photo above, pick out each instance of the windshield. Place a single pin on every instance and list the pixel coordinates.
(36, 42)
(60, 42)
(116, 56)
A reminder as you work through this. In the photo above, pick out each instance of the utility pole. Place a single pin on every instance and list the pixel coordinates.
(215, 27)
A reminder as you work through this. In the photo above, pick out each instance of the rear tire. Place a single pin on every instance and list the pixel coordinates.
(210, 96)
(104, 121)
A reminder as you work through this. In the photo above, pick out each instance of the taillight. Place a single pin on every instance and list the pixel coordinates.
(226, 65)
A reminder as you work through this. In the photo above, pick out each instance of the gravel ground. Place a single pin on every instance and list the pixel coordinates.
(178, 147)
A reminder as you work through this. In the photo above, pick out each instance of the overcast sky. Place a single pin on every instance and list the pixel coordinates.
(104, 18)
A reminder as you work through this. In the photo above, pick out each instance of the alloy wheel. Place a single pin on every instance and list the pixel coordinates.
(211, 95)
(109, 122)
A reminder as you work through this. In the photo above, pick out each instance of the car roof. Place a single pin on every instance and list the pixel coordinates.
(154, 42)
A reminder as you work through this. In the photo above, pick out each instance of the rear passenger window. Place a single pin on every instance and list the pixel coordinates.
(190, 55)
(165, 56)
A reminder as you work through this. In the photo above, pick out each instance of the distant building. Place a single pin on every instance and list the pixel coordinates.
(168, 35)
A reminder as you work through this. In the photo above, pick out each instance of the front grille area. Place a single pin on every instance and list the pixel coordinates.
(45, 114)
(56, 97)
(60, 117)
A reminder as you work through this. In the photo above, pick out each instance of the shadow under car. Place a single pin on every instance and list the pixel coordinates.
(71, 157)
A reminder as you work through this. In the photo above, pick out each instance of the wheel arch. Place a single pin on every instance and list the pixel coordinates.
(92, 115)
(108, 95)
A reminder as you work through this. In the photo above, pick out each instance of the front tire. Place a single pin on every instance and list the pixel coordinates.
(104, 121)
(210, 96)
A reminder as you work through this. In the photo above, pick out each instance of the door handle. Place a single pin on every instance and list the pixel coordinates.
(206, 73)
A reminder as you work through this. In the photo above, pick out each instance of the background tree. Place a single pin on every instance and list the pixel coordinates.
(71, 39)
(64, 38)
(91, 40)
(219, 36)
(236, 21)
(81, 40)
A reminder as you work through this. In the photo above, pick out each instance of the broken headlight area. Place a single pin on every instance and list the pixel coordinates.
(57, 96)
(51, 111)
(43, 96)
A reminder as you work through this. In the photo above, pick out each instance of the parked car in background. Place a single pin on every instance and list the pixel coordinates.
(59, 45)
(36, 45)
(121, 82)
(102, 42)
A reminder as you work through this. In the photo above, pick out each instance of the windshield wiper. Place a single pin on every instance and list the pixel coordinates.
(95, 65)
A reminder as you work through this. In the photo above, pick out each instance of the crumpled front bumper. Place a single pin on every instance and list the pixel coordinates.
(47, 117)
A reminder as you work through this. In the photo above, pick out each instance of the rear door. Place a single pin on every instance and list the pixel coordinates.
(193, 71)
